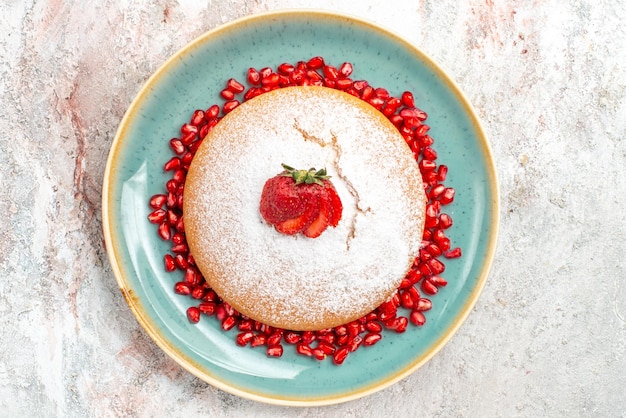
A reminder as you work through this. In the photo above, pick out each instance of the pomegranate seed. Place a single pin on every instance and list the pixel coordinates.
(275, 350)
(258, 340)
(274, 338)
(198, 292)
(340, 355)
(318, 354)
(438, 281)
(408, 99)
(164, 231)
(373, 326)
(177, 146)
(182, 288)
(197, 118)
(188, 138)
(442, 172)
(436, 266)
(193, 314)
(292, 337)
(417, 318)
(372, 338)
(406, 300)
(315, 63)
(326, 347)
(181, 261)
(448, 196)
(229, 106)
(445, 221)
(227, 94)
(157, 216)
(207, 308)
(428, 287)
(235, 86)
(423, 304)
(253, 77)
(455, 253)
(331, 72)
(192, 277)
(285, 68)
(427, 165)
(170, 265)
(304, 349)
(243, 338)
(229, 323)
(345, 70)
(398, 324)
(382, 93)
(354, 343)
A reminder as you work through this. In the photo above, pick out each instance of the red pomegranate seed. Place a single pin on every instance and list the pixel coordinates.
(229, 323)
(197, 118)
(445, 221)
(354, 343)
(417, 318)
(182, 288)
(345, 69)
(169, 263)
(371, 338)
(198, 292)
(292, 337)
(436, 266)
(406, 300)
(448, 196)
(331, 72)
(157, 216)
(427, 165)
(340, 355)
(397, 324)
(423, 304)
(428, 287)
(373, 326)
(318, 354)
(181, 261)
(193, 314)
(164, 231)
(235, 86)
(275, 338)
(229, 106)
(188, 138)
(253, 76)
(192, 277)
(315, 63)
(304, 349)
(207, 308)
(275, 350)
(285, 68)
(258, 340)
(438, 281)
(408, 99)
(455, 253)
(227, 94)
(326, 347)
(243, 338)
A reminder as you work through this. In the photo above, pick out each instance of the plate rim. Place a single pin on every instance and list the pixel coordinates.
(190, 365)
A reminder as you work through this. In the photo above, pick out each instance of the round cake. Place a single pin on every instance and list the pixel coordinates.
(293, 281)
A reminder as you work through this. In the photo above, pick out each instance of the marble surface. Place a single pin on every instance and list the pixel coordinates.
(548, 335)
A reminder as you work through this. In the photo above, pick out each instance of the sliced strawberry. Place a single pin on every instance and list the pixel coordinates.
(280, 200)
(335, 204)
(299, 224)
(320, 223)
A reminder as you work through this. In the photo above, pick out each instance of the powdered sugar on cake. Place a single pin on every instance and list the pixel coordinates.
(348, 270)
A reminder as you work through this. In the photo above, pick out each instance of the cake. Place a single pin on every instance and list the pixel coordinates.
(293, 281)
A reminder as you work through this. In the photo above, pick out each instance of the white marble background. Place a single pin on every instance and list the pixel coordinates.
(548, 335)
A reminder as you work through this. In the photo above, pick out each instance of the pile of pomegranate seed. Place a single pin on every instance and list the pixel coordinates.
(408, 304)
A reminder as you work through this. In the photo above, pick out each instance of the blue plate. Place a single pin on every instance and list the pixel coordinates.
(192, 79)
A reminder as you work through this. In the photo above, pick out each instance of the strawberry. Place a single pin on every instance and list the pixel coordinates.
(300, 201)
